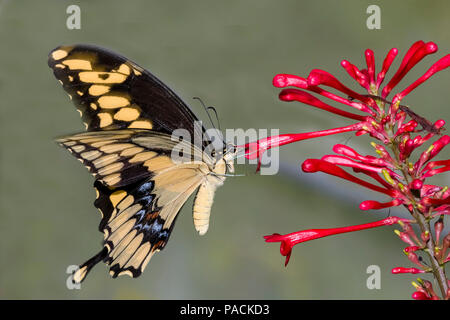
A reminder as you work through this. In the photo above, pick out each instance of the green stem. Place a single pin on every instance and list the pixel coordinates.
(424, 225)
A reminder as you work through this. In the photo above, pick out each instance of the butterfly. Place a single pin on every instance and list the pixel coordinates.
(128, 147)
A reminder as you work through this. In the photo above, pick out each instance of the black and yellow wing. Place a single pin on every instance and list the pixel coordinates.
(129, 115)
(140, 191)
(112, 92)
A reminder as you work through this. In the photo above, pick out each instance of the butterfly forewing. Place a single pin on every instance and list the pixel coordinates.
(112, 92)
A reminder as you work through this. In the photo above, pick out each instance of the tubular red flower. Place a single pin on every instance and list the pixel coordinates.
(396, 126)
(320, 77)
(418, 140)
(432, 151)
(314, 165)
(304, 97)
(414, 258)
(288, 241)
(407, 270)
(416, 184)
(429, 171)
(254, 150)
(375, 205)
(407, 127)
(420, 296)
(370, 61)
(414, 55)
(438, 227)
(435, 202)
(286, 80)
(356, 74)
(386, 65)
(351, 153)
(412, 248)
(405, 238)
(346, 162)
(440, 65)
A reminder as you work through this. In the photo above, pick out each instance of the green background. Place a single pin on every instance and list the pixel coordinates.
(227, 53)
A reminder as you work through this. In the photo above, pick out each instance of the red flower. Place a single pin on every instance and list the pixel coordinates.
(288, 241)
(391, 172)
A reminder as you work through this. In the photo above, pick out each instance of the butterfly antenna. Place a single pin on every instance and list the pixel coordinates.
(217, 117)
(206, 109)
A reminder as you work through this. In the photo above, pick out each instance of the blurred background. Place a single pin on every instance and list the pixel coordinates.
(225, 52)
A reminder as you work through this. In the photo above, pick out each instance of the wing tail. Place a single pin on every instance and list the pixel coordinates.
(84, 269)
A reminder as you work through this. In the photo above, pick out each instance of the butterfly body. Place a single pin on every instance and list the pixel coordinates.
(128, 147)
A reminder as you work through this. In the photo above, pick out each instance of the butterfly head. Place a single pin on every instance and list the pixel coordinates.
(224, 159)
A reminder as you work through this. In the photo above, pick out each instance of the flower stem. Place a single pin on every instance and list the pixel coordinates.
(424, 225)
(437, 270)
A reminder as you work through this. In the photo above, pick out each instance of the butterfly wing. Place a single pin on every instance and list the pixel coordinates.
(140, 191)
(112, 92)
(138, 219)
(129, 115)
(120, 157)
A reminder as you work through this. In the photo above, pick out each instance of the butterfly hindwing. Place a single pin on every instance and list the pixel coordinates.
(112, 92)
(137, 219)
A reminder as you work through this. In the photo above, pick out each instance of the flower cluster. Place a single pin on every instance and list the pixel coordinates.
(400, 132)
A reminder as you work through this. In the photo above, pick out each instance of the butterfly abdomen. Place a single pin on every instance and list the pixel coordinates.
(202, 206)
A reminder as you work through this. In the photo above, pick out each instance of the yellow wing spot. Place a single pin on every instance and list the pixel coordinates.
(131, 248)
(123, 216)
(127, 114)
(70, 78)
(101, 77)
(80, 93)
(93, 106)
(91, 155)
(128, 201)
(105, 119)
(131, 151)
(112, 102)
(137, 70)
(139, 255)
(78, 148)
(60, 82)
(70, 97)
(126, 272)
(98, 89)
(116, 147)
(158, 163)
(80, 274)
(59, 54)
(114, 167)
(123, 244)
(141, 157)
(112, 179)
(60, 66)
(121, 231)
(141, 124)
(124, 69)
(103, 161)
(116, 196)
(101, 143)
(77, 64)
(79, 111)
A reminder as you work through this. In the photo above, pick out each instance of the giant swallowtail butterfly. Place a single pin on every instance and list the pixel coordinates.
(129, 116)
